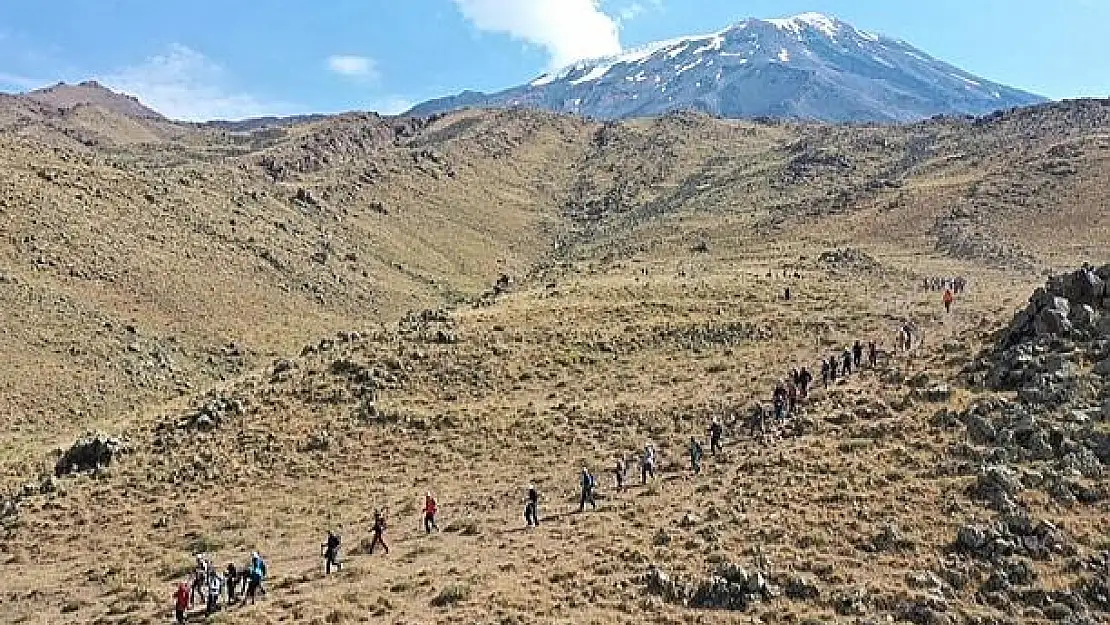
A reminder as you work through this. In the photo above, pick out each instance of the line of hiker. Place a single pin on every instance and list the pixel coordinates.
(237, 586)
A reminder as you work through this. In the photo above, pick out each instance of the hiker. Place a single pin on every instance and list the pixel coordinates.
(647, 464)
(806, 379)
(532, 507)
(907, 337)
(618, 473)
(832, 368)
(696, 453)
(715, 432)
(847, 366)
(756, 423)
(786, 294)
(430, 509)
(791, 397)
(587, 491)
(200, 581)
(779, 399)
(379, 532)
(872, 354)
(215, 589)
(857, 355)
(825, 373)
(182, 597)
(256, 572)
(232, 580)
(948, 299)
(331, 553)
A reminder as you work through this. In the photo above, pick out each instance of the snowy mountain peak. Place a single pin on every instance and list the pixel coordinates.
(829, 26)
(807, 66)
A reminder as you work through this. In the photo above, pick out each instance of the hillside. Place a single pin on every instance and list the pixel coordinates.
(91, 93)
(293, 326)
(809, 66)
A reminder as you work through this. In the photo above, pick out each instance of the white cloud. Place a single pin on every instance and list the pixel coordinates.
(635, 9)
(184, 84)
(570, 30)
(353, 66)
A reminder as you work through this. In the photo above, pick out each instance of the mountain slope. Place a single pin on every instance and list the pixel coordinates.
(809, 66)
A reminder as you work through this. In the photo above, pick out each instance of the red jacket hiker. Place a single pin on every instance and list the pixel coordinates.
(181, 601)
(430, 509)
(948, 299)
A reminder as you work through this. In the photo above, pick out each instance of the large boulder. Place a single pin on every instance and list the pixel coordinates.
(1053, 321)
(89, 453)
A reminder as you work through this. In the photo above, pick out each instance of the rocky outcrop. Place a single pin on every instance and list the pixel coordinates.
(1072, 305)
(730, 587)
(89, 453)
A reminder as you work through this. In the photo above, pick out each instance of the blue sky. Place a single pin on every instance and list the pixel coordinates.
(201, 59)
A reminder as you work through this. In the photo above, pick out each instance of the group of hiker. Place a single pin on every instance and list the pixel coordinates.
(956, 285)
(950, 286)
(209, 586)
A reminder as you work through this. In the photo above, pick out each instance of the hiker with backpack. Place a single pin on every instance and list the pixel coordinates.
(618, 474)
(532, 507)
(256, 573)
(431, 507)
(379, 528)
(331, 553)
(587, 484)
(948, 298)
(857, 355)
(872, 354)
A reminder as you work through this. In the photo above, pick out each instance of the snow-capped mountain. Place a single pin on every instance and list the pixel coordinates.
(808, 66)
